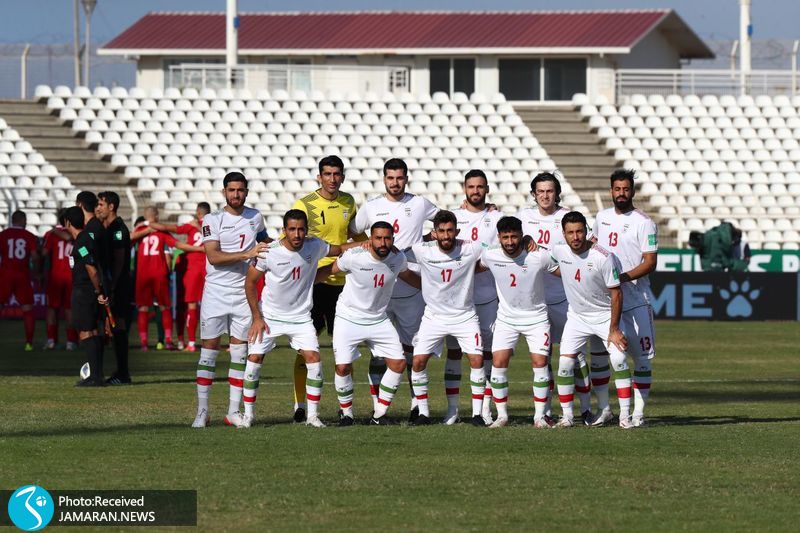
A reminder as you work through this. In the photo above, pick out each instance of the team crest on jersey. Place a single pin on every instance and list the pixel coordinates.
(408, 211)
(625, 227)
(345, 213)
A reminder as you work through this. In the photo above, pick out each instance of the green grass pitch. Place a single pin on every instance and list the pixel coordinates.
(721, 452)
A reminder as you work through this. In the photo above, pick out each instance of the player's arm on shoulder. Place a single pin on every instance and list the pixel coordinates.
(172, 228)
(338, 249)
(188, 247)
(411, 277)
(219, 258)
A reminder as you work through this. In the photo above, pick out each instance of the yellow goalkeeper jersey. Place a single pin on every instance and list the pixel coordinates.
(328, 220)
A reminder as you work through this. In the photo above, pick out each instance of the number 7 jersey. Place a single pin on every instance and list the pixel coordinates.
(235, 233)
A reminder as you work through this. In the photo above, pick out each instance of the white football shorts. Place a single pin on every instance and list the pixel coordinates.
(224, 310)
(380, 338)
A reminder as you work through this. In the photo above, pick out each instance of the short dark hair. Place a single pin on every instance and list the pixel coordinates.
(19, 217)
(138, 220)
(509, 224)
(331, 161)
(74, 215)
(547, 176)
(443, 217)
(234, 176)
(60, 212)
(295, 214)
(205, 207)
(623, 174)
(476, 173)
(395, 163)
(572, 217)
(382, 224)
(111, 198)
(87, 200)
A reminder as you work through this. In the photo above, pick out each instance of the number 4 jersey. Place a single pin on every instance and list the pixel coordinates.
(587, 278)
(234, 233)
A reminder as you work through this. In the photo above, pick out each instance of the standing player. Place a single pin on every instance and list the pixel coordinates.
(231, 238)
(361, 318)
(117, 280)
(633, 237)
(195, 274)
(448, 270)
(19, 258)
(406, 213)
(87, 293)
(153, 265)
(519, 277)
(289, 268)
(329, 212)
(478, 224)
(591, 280)
(56, 251)
(543, 224)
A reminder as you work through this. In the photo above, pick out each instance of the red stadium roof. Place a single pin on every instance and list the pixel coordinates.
(392, 32)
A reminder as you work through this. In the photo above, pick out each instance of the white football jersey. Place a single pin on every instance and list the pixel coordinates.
(235, 233)
(629, 235)
(520, 284)
(480, 227)
(587, 278)
(447, 279)
(407, 216)
(546, 231)
(368, 285)
(289, 278)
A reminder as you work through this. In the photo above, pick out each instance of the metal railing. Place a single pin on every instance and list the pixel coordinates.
(718, 82)
(340, 78)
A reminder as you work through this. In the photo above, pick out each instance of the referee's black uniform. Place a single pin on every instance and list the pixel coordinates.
(118, 281)
(85, 309)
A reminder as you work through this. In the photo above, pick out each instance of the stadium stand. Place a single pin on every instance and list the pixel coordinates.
(703, 160)
(177, 145)
(30, 183)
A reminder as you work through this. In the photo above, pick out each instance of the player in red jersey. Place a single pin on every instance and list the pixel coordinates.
(194, 271)
(56, 251)
(18, 256)
(153, 264)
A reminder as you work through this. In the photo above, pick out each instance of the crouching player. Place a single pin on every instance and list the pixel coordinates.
(361, 318)
(590, 274)
(519, 277)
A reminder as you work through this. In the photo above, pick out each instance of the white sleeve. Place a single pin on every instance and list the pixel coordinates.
(411, 253)
(261, 264)
(360, 222)
(648, 237)
(403, 262)
(210, 228)
(429, 208)
(548, 262)
(324, 249)
(611, 268)
(343, 261)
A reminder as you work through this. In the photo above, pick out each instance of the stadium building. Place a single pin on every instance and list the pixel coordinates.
(530, 57)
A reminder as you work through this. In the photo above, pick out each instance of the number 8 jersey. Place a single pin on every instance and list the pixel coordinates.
(546, 231)
(235, 233)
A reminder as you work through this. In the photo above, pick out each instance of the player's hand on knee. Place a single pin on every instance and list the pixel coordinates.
(257, 330)
(617, 338)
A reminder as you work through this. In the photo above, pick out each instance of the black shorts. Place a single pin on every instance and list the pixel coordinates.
(85, 309)
(121, 304)
(324, 309)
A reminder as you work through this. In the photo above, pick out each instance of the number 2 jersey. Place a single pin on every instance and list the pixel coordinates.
(546, 231)
(629, 235)
(587, 278)
(235, 233)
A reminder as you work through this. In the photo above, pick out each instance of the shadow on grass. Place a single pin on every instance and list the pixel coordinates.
(734, 395)
(716, 420)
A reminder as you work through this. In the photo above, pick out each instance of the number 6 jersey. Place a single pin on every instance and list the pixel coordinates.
(235, 233)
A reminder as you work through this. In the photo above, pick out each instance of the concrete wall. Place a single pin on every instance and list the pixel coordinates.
(150, 72)
(654, 51)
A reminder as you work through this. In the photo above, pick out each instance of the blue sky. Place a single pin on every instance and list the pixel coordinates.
(23, 20)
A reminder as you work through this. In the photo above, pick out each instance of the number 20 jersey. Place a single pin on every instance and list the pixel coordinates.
(546, 231)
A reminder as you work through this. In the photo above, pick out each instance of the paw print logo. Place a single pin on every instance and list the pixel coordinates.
(740, 299)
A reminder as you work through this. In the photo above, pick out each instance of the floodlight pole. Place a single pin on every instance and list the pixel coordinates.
(231, 40)
(88, 8)
(795, 47)
(76, 41)
(745, 34)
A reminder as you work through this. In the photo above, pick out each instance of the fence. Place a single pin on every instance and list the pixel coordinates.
(718, 82)
(290, 77)
(54, 65)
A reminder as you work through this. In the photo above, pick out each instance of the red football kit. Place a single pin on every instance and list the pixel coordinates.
(16, 248)
(152, 270)
(59, 277)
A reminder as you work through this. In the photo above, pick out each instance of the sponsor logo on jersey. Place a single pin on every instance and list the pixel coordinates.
(118, 236)
(615, 274)
(382, 214)
(83, 251)
(651, 240)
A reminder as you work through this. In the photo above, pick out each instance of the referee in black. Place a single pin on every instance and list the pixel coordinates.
(87, 294)
(117, 279)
